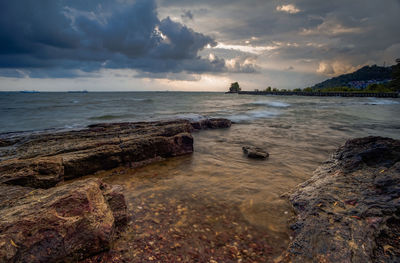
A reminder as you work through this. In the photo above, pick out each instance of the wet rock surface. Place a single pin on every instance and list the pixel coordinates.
(255, 152)
(211, 124)
(80, 219)
(62, 224)
(349, 210)
(43, 160)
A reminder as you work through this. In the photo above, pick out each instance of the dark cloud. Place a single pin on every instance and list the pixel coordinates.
(47, 37)
(187, 14)
(358, 31)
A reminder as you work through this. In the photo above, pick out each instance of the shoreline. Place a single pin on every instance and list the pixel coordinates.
(107, 146)
(319, 94)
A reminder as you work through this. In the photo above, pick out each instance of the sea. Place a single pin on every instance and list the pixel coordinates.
(300, 133)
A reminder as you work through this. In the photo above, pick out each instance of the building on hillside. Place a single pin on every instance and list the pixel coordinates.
(362, 84)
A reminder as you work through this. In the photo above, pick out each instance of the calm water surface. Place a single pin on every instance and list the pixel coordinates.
(217, 180)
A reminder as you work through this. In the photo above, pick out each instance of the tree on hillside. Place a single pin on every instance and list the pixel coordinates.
(308, 89)
(395, 83)
(235, 87)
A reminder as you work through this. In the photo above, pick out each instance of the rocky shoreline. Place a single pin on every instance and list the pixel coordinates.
(43, 222)
(44, 160)
(347, 212)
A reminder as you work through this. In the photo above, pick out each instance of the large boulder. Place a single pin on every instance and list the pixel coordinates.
(65, 223)
(45, 159)
(349, 210)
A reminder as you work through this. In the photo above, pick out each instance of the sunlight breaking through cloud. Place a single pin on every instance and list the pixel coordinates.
(291, 9)
(247, 49)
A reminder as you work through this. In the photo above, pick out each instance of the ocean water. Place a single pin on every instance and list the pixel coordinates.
(299, 133)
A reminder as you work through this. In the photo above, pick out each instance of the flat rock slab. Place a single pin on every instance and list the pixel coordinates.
(349, 210)
(65, 223)
(44, 159)
(255, 152)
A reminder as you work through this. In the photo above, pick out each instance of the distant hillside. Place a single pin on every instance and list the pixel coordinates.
(363, 74)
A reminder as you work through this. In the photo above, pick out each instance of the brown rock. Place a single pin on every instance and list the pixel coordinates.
(348, 211)
(255, 152)
(65, 223)
(43, 160)
(211, 124)
(39, 172)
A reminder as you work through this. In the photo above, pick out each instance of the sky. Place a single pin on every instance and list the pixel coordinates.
(191, 45)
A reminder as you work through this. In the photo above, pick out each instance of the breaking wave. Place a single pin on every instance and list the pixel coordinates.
(277, 104)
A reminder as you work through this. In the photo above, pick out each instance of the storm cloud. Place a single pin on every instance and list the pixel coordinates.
(285, 44)
(57, 38)
(356, 32)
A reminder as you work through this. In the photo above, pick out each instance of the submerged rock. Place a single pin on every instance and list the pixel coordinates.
(211, 124)
(65, 223)
(255, 152)
(349, 210)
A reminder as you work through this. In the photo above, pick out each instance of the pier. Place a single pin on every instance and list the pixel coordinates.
(321, 94)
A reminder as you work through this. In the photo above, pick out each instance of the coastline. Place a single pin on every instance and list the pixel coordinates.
(77, 220)
(320, 94)
(357, 156)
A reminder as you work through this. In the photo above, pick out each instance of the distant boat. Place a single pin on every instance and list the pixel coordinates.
(29, 91)
(78, 91)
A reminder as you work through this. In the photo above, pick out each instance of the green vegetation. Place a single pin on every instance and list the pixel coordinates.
(341, 89)
(235, 88)
(395, 83)
(308, 89)
(380, 80)
(366, 73)
(374, 88)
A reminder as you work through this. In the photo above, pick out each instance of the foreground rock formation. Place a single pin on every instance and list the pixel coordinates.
(65, 223)
(349, 210)
(43, 160)
(76, 220)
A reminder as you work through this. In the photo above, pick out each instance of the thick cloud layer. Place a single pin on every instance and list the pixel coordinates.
(308, 32)
(60, 38)
(292, 43)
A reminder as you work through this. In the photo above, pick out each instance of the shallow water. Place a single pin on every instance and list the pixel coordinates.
(217, 189)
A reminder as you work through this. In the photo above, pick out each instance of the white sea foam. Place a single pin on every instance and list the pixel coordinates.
(138, 99)
(277, 104)
(375, 101)
(253, 115)
(188, 116)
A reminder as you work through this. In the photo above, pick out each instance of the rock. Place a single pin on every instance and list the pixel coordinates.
(77, 220)
(211, 124)
(344, 212)
(43, 160)
(255, 152)
(4, 143)
(65, 223)
(36, 172)
(10, 194)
